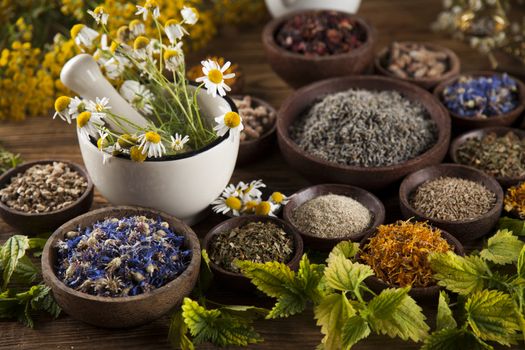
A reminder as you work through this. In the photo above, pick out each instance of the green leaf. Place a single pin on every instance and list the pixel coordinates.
(37, 243)
(43, 300)
(502, 248)
(308, 278)
(396, 314)
(8, 307)
(288, 305)
(345, 249)
(25, 271)
(462, 275)
(354, 330)
(247, 312)
(492, 315)
(445, 319)
(454, 339)
(272, 278)
(332, 314)
(344, 275)
(13, 249)
(516, 226)
(521, 263)
(205, 275)
(178, 333)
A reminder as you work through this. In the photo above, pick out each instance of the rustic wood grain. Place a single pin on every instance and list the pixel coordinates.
(41, 138)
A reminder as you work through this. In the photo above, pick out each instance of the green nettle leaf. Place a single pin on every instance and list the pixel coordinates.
(354, 330)
(13, 249)
(454, 339)
(492, 315)
(288, 305)
(445, 319)
(178, 333)
(25, 271)
(516, 226)
(205, 275)
(332, 314)
(272, 278)
(462, 275)
(37, 243)
(502, 248)
(396, 314)
(345, 249)
(345, 275)
(308, 277)
(521, 263)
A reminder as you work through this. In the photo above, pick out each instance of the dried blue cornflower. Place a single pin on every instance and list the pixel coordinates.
(482, 97)
(121, 257)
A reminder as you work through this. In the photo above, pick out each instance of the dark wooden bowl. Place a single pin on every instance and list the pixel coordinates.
(237, 280)
(371, 178)
(298, 70)
(464, 230)
(253, 150)
(366, 198)
(34, 223)
(121, 312)
(469, 123)
(430, 293)
(454, 66)
(505, 182)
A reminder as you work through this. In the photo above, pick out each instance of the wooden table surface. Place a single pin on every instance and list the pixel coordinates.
(40, 138)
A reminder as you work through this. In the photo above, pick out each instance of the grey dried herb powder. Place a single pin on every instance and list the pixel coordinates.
(365, 128)
(332, 216)
(453, 199)
(259, 242)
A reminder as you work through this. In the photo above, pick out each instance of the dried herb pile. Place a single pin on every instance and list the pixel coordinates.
(398, 253)
(121, 257)
(514, 201)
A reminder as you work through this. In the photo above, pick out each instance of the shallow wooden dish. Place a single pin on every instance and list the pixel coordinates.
(373, 178)
(237, 280)
(298, 70)
(430, 293)
(121, 312)
(253, 150)
(366, 198)
(469, 123)
(464, 230)
(479, 133)
(34, 223)
(454, 66)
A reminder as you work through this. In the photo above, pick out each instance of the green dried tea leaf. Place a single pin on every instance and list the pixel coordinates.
(332, 314)
(354, 330)
(445, 319)
(502, 248)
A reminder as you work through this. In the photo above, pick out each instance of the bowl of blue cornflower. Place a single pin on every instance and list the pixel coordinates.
(120, 267)
(482, 99)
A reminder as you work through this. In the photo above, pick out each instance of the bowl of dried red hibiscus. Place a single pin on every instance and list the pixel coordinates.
(307, 46)
(398, 254)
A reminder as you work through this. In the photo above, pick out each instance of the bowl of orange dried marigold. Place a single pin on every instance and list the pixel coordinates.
(398, 255)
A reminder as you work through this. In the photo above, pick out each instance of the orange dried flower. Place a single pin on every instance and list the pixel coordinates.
(515, 200)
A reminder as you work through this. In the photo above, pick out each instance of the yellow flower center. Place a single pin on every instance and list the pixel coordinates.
(168, 54)
(99, 107)
(263, 208)
(136, 154)
(102, 143)
(232, 120)
(83, 118)
(152, 137)
(134, 24)
(123, 33)
(151, 4)
(277, 197)
(113, 47)
(233, 203)
(250, 206)
(170, 22)
(215, 76)
(140, 42)
(126, 141)
(76, 29)
(99, 10)
(61, 103)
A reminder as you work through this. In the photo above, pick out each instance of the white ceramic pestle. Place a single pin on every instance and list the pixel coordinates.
(82, 75)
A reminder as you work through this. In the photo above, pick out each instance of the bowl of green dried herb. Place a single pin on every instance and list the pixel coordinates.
(253, 237)
(120, 267)
(459, 199)
(497, 151)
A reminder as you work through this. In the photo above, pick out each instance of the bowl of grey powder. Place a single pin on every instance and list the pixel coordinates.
(40, 196)
(459, 199)
(366, 131)
(325, 215)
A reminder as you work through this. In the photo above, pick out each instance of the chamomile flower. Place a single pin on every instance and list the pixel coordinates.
(136, 155)
(228, 121)
(86, 123)
(151, 144)
(214, 77)
(115, 66)
(137, 28)
(76, 106)
(266, 208)
(224, 205)
(174, 31)
(83, 36)
(278, 198)
(149, 6)
(190, 15)
(178, 142)
(100, 15)
(251, 190)
(232, 191)
(174, 57)
(140, 46)
(62, 108)
(99, 106)
(249, 206)
(104, 146)
(138, 95)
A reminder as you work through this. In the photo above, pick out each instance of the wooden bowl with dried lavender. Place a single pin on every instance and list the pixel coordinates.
(497, 151)
(482, 99)
(308, 46)
(423, 64)
(40, 196)
(121, 267)
(325, 215)
(379, 130)
(252, 237)
(398, 254)
(459, 199)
